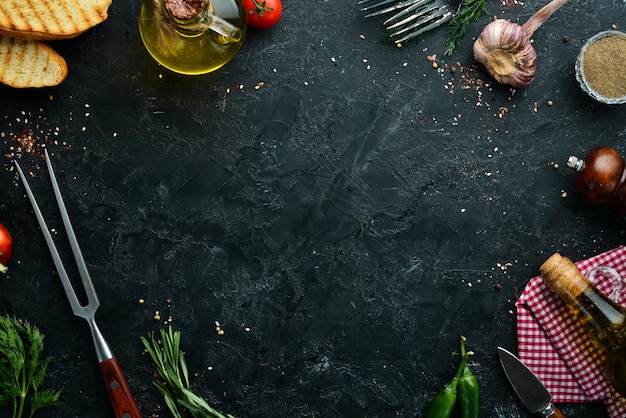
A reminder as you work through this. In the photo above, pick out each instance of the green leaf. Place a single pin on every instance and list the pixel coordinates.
(43, 399)
(40, 373)
(469, 11)
(21, 370)
(173, 377)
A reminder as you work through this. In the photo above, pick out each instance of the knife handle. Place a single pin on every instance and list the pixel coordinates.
(122, 399)
(554, 412)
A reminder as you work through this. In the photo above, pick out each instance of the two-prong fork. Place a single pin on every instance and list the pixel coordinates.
(122, 399)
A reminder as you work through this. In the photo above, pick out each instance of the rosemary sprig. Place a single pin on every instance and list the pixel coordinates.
(173, 377)
(469, 11)
(22, 370)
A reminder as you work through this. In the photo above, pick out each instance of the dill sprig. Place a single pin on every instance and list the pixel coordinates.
(469, 11)
(173, 377)
(22, 370)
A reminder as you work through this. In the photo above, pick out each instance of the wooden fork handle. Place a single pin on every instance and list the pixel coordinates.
(122, 399)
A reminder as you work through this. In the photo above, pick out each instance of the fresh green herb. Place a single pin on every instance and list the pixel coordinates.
(469, 11)
(22, 370)
(173, 377)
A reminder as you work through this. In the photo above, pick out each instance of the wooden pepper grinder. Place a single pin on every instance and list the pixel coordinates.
(601, 178)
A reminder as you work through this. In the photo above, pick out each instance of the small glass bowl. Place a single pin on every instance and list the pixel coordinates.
(580, 76)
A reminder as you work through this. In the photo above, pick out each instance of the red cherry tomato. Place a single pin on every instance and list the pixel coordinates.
(6, 246)
(263, 14)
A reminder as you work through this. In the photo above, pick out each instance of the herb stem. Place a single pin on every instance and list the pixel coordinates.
(23, 392)
(21, 369)
(469, 11)
(173, 377)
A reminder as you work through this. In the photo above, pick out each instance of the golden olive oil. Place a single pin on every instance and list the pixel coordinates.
(193, 46)
(603, 319)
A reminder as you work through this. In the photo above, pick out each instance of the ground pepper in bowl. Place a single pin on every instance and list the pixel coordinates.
(601, 67)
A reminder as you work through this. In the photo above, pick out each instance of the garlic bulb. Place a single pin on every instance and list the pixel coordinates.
(504, 48)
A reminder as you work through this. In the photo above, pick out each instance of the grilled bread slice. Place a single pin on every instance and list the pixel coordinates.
(50, 19)
(26, 63)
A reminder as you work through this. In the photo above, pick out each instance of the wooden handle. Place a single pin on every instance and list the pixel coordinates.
(121, 397)
(556, 414)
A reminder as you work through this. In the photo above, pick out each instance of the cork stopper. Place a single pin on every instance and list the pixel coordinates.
(562, 276)
(184, 9)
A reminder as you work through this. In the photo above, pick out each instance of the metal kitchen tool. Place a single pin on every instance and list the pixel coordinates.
(121, 397)
(409, 18)
(527, 386)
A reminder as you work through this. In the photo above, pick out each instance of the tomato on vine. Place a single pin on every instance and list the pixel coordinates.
(263, 14)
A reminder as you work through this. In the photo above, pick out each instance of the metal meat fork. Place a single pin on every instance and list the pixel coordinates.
(121, 397)
(409, 18)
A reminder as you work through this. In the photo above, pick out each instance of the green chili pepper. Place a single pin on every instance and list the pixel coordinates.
(442, 405)
(468, 395)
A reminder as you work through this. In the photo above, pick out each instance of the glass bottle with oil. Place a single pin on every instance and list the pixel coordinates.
(604, 319)
(192, 36)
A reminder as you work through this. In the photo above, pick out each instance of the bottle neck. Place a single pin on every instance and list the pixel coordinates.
(193, 18)
(603, 318)
(186, 11)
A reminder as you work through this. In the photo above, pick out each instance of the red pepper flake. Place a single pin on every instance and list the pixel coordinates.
(26, 142)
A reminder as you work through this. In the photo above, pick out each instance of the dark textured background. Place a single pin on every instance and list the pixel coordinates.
(352, 212)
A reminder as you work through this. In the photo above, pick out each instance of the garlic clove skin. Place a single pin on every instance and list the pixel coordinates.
(504, 49)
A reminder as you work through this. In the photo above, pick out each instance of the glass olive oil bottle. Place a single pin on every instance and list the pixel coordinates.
(604, 319)
(192, 36)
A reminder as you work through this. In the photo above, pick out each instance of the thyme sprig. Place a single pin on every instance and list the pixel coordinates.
(469, 11)
(173, 377)
(22, 369)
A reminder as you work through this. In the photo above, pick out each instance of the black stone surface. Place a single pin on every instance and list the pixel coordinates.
(345, 222)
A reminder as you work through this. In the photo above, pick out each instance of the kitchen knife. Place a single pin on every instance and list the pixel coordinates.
(527, 386)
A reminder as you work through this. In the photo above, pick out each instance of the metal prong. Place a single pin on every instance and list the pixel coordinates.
(90, 292)
(397, 6)
(77, 308)
(409, 18)
(424, 13)
(436, 20)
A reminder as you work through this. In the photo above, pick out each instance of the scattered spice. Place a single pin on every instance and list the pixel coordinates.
(603, 66)
(26, 142)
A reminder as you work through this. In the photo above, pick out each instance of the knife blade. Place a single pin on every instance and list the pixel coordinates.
(527, 386)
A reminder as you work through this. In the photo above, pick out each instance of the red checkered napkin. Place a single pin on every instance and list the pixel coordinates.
(555, 346)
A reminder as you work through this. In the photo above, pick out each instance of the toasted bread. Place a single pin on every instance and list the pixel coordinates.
(30, 64)
(50, 19)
